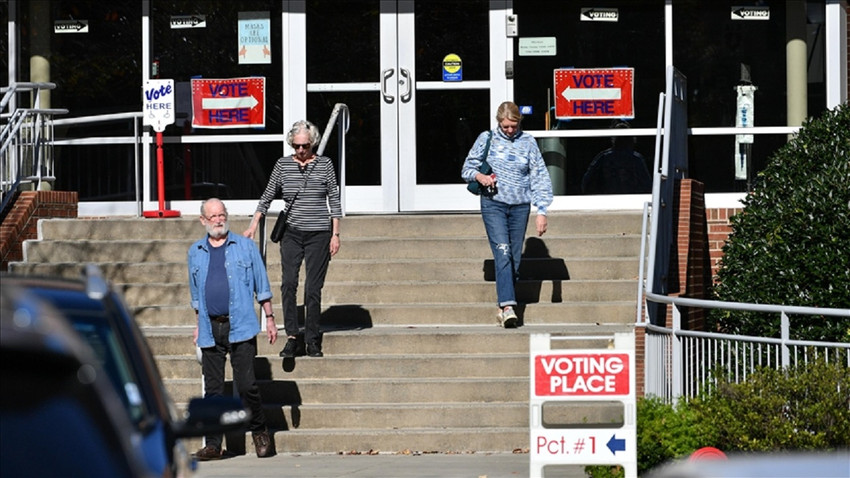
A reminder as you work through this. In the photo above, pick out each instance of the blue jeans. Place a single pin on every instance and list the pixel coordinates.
(505, 225)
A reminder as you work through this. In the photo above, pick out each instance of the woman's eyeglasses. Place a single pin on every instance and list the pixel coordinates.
(297, 146)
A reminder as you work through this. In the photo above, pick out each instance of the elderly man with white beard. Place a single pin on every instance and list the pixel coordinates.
(226, 276)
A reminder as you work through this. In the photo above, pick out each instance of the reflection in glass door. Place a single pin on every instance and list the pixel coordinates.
(411, 125)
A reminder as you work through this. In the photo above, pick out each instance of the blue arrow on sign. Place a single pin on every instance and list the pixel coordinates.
(616, 444)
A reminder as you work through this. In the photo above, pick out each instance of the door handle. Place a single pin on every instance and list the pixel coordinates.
(387, 74)
(405, 78)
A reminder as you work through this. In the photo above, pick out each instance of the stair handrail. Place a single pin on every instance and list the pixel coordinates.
(30, 131)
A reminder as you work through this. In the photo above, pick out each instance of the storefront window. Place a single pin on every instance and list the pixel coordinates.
(201, 39)
(721, 45)
(630, 34)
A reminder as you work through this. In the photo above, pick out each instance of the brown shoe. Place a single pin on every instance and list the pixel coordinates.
(208, 452)
(262, 443)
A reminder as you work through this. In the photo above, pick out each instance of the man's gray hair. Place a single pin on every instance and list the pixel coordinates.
(204, 205)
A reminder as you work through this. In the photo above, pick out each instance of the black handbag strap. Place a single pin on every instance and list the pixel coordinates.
(303, 185)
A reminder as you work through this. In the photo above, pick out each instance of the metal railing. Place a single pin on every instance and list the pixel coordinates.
(680, 363)
(26, 140)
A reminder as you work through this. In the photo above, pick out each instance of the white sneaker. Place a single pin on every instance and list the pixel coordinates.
(508, 318)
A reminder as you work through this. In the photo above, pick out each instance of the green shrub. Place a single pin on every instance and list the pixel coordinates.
(791, 243)
(774, 410)
(806, 409)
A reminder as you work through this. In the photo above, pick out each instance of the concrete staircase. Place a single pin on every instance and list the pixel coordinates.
(414, 359)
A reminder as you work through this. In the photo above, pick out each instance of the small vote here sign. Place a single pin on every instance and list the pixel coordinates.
(582, 374)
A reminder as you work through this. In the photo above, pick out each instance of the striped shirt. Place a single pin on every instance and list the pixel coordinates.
(316, 203)
(521, 174)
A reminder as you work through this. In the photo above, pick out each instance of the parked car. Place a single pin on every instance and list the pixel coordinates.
(59, 413)
(99, 314)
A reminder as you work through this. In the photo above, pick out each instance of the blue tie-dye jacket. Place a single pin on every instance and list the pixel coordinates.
(521, 174)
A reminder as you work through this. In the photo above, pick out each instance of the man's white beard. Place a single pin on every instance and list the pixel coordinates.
(218, 233)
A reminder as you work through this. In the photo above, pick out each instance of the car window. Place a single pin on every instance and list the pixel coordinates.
(91, 321)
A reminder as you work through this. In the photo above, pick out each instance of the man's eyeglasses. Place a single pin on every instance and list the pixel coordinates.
(297, 146)
(215, 216)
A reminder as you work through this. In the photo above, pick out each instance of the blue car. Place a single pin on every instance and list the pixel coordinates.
(102, 319)
(59, 413)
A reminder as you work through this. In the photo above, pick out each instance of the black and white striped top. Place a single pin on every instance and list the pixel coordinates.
(315, 204)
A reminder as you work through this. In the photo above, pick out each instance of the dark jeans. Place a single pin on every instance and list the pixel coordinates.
(313, 248)
(242, 360)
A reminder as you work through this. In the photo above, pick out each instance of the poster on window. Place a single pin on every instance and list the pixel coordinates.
(254, 38)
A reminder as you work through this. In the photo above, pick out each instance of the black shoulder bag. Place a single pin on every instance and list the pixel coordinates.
(474, 186)
(280, 224)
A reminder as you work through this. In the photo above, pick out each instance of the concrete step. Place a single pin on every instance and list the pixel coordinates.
(412, 225)
(395, 342)
(159, 251)
(375, 390)
(398, 440)
(357, 270)
(412, 292)
(371, 315)
(367, 366)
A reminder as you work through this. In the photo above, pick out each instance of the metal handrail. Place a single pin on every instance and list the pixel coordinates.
(26, 140)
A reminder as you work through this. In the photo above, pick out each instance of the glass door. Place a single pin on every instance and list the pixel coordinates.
(416, 76)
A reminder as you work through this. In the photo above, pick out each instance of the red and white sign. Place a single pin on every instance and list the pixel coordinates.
(229, 103)
(582, 374)
(594, 93)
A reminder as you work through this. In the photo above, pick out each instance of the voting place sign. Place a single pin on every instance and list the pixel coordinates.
(229, 103)
(594, 93)
(158, 104)
(582, 374)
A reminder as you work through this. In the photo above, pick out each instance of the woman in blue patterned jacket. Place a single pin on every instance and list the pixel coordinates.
(519, 179)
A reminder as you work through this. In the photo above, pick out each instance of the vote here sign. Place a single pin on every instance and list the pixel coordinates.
(582, 374)
(229, 103)
(594, 93)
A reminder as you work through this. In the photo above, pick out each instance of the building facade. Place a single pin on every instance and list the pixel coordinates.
(420, 80)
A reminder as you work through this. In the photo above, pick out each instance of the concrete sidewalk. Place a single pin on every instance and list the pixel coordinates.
(436, 465)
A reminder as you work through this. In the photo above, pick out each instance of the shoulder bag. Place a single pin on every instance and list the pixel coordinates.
(280, 224)
(474, 186)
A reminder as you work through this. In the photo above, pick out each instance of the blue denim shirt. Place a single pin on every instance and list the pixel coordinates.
(246, 278)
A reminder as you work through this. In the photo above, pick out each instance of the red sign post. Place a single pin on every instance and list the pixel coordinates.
(594, 93)
(229, 103)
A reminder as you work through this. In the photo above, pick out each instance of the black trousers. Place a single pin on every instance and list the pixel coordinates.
(312, 248)
(242, 360)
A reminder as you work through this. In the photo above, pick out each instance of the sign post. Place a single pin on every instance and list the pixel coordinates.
(594, 93)
(600, 376)
(158, 104)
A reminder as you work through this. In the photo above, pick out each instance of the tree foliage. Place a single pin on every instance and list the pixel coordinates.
(791, 243)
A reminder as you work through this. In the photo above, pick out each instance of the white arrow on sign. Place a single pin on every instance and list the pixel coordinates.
(572, 94)
(229, 103)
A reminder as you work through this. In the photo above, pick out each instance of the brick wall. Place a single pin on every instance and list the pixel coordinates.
(21, 222)
(718, 232)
